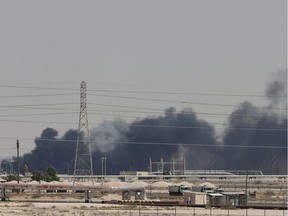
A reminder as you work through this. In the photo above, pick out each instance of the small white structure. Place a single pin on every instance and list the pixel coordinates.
(134, 173)
(195, 198)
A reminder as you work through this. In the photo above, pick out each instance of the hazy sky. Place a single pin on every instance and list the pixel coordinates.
(193, 46)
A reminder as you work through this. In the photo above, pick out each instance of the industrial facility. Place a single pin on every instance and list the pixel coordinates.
(165, 182)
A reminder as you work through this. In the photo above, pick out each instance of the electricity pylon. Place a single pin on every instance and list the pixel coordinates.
(83, 158)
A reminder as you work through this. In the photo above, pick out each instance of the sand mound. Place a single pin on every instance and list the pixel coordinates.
(187, 184)
(114, 184)
(160, 184)
(207, 184)
(139, 183)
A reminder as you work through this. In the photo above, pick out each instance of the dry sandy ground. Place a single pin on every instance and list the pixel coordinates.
(93, 209)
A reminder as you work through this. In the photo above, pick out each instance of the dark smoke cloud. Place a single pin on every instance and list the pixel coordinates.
(274, 116)
(276, 90)
(53, 151)
(123, 145)
(173, 127)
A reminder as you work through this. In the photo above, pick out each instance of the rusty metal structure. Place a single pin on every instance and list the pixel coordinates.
(174, 167)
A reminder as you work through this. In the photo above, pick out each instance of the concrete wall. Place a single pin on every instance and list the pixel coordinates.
(195, 198)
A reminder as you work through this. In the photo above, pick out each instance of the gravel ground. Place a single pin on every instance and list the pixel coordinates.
(92, 209)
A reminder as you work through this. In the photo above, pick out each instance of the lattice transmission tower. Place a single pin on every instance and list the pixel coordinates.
(83, 158)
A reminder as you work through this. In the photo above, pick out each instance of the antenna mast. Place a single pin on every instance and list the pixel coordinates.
(83, 157)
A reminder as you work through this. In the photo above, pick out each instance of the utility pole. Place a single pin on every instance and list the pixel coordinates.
(246, 182)
(18, 161)
(105, 166)
(103, 162)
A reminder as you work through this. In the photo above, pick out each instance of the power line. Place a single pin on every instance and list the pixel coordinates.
(33, 105)
(38, 122)
(139, 92)
(138, 110)
(176, 93)
(210, 126)
(205, 127)
(37, 87)
(102, 112)
(38, 95)
(157, 126)
(36, 106)
(176, 144)
(202, 145)
(127, 107)
(175, 101)
(37, 114)
(131, 91)
(136, 98)
(186, 113)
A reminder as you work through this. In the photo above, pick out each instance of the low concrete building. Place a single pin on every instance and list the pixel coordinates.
(236, 198)
(195, 198)
(228, 199)
(216, 199)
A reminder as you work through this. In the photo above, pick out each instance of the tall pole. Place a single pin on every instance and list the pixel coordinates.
(102, 163)
(184, 166)
(83, 157)
(105, 166)
(173, 166)
(246, 182)
(102, 159)
(18, 161)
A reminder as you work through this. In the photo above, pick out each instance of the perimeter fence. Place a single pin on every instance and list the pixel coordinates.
(182, 211)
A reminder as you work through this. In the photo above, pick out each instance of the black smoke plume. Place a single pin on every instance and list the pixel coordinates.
(250, 141)
(145, 138)
(250, 126)
(52, 151)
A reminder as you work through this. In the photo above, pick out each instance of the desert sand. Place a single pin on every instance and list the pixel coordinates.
(93, 209)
